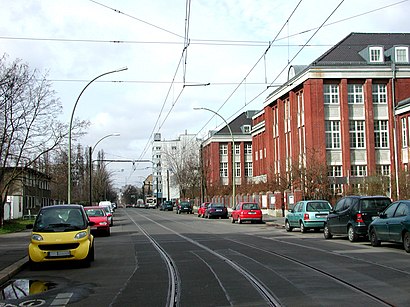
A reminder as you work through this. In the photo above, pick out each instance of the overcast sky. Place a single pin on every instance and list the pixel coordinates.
(75, 41)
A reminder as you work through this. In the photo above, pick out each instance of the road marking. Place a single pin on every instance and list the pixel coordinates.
(61, 299)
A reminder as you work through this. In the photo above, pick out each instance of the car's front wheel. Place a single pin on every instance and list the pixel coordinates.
(232, 219)
(326, 232)
(351, 234)
(239, 220)
(374, 241)
(406, 242)
(288, 227)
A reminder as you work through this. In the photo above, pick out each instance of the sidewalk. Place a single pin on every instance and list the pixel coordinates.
(13, 253)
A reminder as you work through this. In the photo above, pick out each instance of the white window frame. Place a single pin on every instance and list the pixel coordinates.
(237, 149)
(223, 169)
(383, 169)
(355, 94)
(401, 58)
(381, 134)
(358, 170)
(248, 169)
(331, 93)
(238, 169)
(248, 148)
(332, 134)
(334, 171)
(223, 149)
(379, 93)
(357, 134)
(376, 54)
(404, 132)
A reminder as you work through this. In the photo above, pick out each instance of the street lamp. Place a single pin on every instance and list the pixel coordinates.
(233, 152)
(91, 150)
(71, 125)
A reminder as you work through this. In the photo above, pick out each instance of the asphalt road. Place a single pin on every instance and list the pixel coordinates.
(155, 258)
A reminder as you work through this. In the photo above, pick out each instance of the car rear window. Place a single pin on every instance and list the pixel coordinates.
(317, 206)
(250, 206)
(95, 212)
(374, 204)
(217, 206)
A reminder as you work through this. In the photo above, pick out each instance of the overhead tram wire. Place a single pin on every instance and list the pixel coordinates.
(291, 60)
(135, 18)
(196, 41)
(253, 67)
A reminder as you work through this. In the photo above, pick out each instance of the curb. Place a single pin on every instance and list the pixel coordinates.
(8, 273)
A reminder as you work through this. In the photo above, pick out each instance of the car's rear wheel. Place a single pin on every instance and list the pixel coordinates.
(288, 227)
(239, 220)
(302, 227)
(351, 234)
(406, 242)
(374, 241)
(326, 232)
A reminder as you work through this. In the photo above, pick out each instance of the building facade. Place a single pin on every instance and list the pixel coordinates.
(219, 159)
(27, 194)
(170, 158)
(339, 111)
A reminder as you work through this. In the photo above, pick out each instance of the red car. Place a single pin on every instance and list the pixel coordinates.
(202, 209)
(246, 211)
(98, 215)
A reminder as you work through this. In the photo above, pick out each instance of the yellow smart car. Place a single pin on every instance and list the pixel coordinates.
(61, 233)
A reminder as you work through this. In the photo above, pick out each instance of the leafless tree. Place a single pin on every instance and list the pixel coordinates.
(30, 128)
(185, 169)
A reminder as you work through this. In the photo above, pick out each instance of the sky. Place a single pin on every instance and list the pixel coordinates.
(179, 55)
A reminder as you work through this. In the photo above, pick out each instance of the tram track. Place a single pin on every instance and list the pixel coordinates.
(270, 298)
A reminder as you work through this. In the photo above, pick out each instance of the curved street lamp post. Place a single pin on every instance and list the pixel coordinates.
(233, 152)
(70, 128)
(91, 150)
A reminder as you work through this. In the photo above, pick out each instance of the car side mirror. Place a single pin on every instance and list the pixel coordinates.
(290, 210)
(382, 215)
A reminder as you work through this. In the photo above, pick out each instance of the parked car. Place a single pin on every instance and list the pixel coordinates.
(184, 206)
(393, 225)
(202, 209)
(61, 232)
(97, 215)
(216, 210)
(308, 214)
(166, 206)
(246, 211)
(109, 213)
(352, 216)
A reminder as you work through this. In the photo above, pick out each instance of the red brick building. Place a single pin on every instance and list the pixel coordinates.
(217, 154)
(339, 111)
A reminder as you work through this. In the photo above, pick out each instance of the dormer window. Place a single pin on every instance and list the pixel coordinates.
(246, 129)
(376, 54)
(401, 54)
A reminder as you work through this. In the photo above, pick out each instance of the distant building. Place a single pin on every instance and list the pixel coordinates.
(168, 157)
(342, 107)
(27, 194)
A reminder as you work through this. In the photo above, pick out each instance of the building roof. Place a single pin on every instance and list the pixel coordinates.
(237, 124)
(351, 51)
(348, 50)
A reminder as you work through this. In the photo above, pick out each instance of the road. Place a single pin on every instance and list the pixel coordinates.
(155, 258)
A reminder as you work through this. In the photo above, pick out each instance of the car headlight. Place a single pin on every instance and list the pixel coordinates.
(80, 235)
(103, 223)
(36, 237)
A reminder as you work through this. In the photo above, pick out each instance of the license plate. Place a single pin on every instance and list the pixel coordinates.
(59, 254)
(219, 210)
(252, 212)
